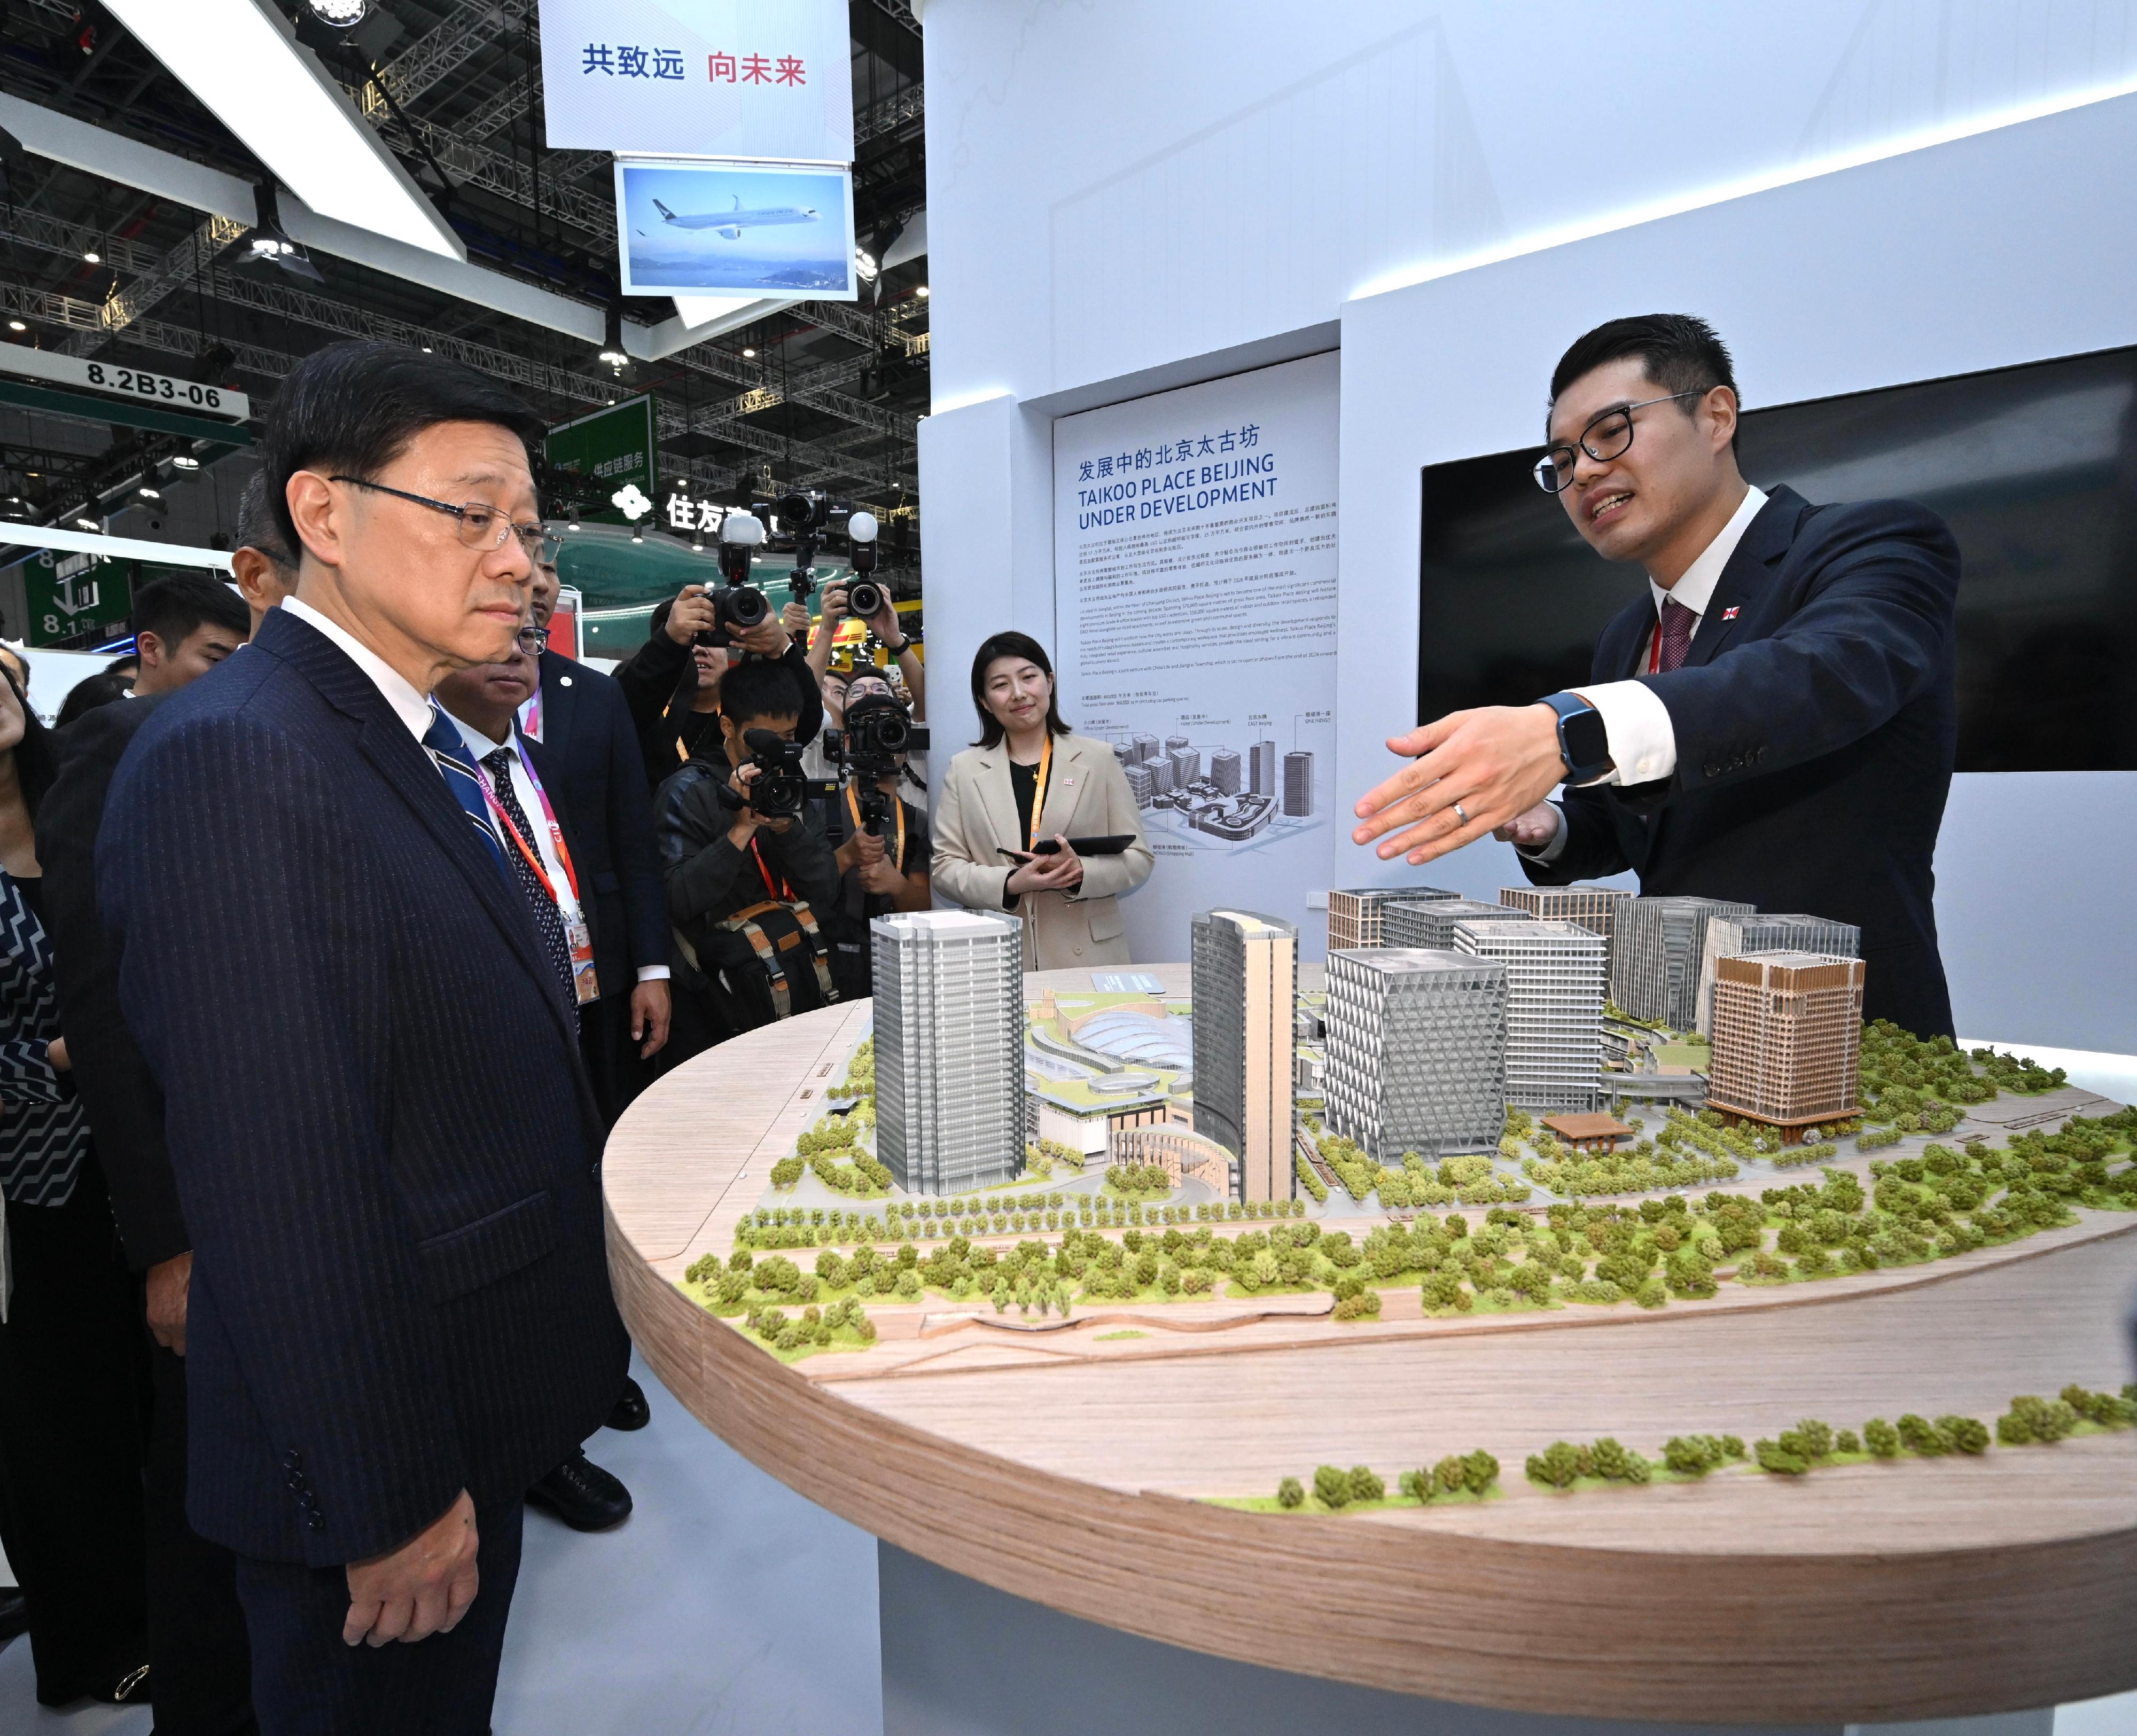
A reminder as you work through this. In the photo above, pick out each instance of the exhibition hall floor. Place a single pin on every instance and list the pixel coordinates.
(726, 1605)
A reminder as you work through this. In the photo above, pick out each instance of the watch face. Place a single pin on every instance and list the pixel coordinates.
(1587, 741)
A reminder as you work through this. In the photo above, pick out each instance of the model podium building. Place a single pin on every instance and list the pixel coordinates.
(1656, 945)
(1788, 1038)
(1556, 977)
(1245, 999)
(1407, 923)
(1354, 915)
(949, 1048)
(1416, 1052)
(1766, 931)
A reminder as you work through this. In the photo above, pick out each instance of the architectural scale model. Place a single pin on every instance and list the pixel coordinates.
(1354, 914)
(1656, 945)
(1555, 978)
(949, 1039)
(1431, 925)
(1298, 784)
(1416, 1057)
(1767, 931)
(1246, 998)
(1592, 907)
(1788, 1036)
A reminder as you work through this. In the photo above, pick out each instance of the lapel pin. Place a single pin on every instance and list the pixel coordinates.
(566, 680)
(1730, 613)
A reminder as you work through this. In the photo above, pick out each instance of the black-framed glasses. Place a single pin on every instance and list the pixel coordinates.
(480, 527)
(1609, 436)
(533, 640)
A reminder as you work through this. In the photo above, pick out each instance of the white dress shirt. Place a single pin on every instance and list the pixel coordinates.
(411, 708)
(1636, 723)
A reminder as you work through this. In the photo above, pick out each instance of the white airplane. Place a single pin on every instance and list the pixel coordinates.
(732, 223)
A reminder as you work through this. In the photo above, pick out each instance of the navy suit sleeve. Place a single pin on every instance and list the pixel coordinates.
(1872, 631)
(266, 1041)
(631, 843)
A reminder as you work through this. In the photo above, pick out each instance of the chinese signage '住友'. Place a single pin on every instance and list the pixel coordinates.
(699, 78)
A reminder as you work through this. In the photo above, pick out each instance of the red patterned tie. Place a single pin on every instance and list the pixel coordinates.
(1677, 624)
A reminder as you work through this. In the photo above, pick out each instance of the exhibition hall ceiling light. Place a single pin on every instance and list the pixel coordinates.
(340, 14)
(185, 461)
(1671, 205)
(17, 325)
(241, 60)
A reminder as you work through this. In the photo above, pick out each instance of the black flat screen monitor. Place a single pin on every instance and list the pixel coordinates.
(2033, 468)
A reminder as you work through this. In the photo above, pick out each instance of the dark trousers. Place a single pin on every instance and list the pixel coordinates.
(201, 1667)
(306, 1682)
(73, 1411)
(614, 1066)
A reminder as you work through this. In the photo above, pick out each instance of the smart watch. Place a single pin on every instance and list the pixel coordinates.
(1583, 742)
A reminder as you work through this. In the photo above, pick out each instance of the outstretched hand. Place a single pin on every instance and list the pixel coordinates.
(1495, 764)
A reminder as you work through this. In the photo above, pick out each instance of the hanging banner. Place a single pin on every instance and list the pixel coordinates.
(699, 78)
(611, 456)
(758, 229)
(81, 600)
(1195, 626)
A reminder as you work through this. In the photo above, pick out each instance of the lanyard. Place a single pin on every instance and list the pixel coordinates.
(511, 831)
(1655, 648)
(1039, 789)
(852, 804)
(781, 889)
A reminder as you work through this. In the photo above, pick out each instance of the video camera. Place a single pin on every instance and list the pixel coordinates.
(780, 790)
(737, 604)
(868, 749)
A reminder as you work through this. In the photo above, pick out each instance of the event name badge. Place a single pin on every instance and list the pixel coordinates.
(585, 983)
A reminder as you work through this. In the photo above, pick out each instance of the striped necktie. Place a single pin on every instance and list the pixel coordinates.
(448, 751)
(540, 900)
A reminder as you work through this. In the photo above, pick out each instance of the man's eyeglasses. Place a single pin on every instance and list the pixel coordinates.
(1609, 436)
(533, 640)
(480, 527)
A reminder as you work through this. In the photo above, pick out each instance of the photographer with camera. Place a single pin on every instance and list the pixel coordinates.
(746, 869)
(672, 681)
(882, 841)
(841, 601)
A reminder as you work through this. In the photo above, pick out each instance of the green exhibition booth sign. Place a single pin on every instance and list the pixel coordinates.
(82, 597)
(609, 451)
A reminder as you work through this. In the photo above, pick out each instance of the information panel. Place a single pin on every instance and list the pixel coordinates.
(1195, 601)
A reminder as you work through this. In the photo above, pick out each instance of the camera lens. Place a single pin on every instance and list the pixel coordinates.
(865, 599)
(744, 605)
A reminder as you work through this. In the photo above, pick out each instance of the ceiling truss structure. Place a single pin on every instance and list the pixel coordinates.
(831, 395)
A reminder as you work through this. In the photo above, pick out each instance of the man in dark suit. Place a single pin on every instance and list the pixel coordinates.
(200, 1668)
(1776, 723)
(386, 1152)
(580, 719)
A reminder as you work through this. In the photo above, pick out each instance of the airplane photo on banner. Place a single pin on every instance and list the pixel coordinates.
(696, 229)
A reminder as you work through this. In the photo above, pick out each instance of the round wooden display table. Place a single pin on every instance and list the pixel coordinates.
(1079, 1466)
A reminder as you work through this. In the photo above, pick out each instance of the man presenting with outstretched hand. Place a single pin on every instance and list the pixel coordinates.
(383, 1140)
(1773, 722)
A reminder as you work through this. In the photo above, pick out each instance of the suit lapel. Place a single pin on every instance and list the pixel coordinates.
(401, 761)
(1064, 788)
(1765, 539)
(997, 798)
(560, 708)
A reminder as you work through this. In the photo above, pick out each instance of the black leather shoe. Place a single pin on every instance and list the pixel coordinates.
(582, 1494)
(14, 1613)
(631, 1410)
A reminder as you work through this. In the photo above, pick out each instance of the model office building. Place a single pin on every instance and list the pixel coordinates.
(1767, 931)
(1354, 915)
(1245, 997)
(949, 1048)
(1655, 947)
(1556, 973)
(1430, 923)
(1416, 1055)
(1788, 1038)
(1592, 907)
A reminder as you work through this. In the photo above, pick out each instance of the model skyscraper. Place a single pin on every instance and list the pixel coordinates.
(1788, 1038)
(1416, 1052)
(1592, 907)
(1430, 924)
(1656, 945)
(1555, 979)
(1245, 995)
(1767, 931)
(949, 1048)
(1354, 915)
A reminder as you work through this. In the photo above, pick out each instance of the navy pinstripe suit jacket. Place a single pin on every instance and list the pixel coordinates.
(385, 1145)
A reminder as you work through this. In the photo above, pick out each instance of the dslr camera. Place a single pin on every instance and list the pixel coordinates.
(868, 750)
(737, 604)
(864, 596)
(802, 515)
(780, 790)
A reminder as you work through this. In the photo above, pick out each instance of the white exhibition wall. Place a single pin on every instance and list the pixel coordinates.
(1188, 191)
